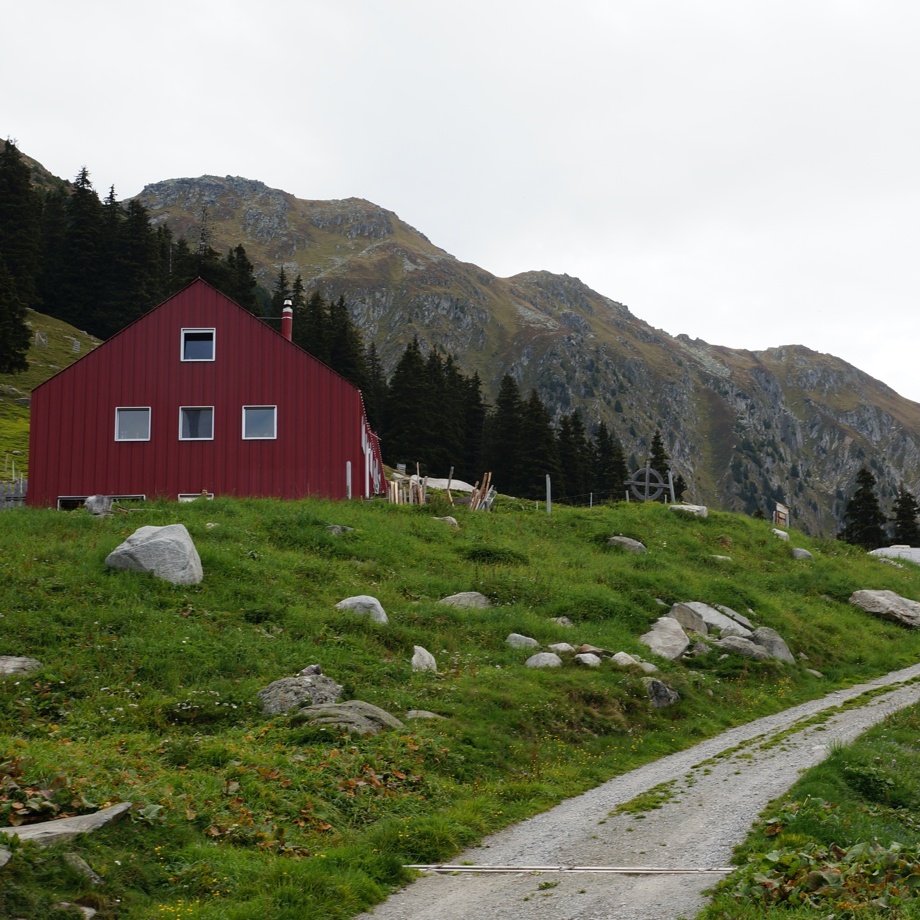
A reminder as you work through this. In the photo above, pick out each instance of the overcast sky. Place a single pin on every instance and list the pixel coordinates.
(747, 172)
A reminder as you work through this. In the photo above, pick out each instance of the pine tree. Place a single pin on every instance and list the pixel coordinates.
(474, 417)
(575, 459)
(376, 390)
(609, 465)
(865, 522)
(241, 280)
(539, 455)
(14, 333)
(502, 442)
(906, 529)
(402, 440)
(346, 345)
(20, 225)
(312, 334)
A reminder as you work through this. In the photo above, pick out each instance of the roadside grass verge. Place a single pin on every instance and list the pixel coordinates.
(147, 691)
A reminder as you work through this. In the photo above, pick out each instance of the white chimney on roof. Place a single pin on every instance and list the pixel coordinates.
(287, 320)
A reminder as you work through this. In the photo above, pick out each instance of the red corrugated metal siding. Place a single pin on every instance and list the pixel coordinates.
(320, 415)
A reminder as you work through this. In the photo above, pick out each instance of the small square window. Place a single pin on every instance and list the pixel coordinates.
(197, 344)
(260, 423)
(196, 423)
(132, 424)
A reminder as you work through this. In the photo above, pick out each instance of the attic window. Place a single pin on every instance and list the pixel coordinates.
(196, 423)
(132, 424)
(197, 344)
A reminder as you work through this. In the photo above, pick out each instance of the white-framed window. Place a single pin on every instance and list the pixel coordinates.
(196, 423)
(194, 496)
(260, 423)
(198, 344)
(132, 423)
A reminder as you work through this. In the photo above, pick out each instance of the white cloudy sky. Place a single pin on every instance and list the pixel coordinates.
(744, 171)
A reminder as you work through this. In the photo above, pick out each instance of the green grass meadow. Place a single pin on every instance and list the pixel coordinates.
(147, 691)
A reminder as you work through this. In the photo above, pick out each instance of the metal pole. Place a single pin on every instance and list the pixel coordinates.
(348, 478)
(549, 496)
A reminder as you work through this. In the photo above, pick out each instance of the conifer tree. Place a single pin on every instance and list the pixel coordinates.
(502, 447)
(864, 519)
(20, 225)
(610, 471)
(313, 333)
(14, 333)
(346, 345)
(402, 440)
(241, 280)
(575, 459)
(906, 530)
(539, 455)
(375, 391)
(474, 416)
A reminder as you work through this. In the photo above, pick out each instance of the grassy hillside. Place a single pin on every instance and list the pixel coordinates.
(57, 346)
(147, 691)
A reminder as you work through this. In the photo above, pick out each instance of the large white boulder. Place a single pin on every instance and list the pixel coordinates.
(666, 638)
(365, 605)
(165, 552)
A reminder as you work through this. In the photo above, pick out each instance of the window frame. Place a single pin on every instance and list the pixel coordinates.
(187, 330)
(273, 436)
(183, 409)
(147, 409)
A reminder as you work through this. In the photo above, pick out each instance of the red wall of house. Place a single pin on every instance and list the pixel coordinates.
(320, 416)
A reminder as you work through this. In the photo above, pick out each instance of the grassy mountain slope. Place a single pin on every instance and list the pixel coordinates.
(55, 345)
(148, 691)
(745, 429)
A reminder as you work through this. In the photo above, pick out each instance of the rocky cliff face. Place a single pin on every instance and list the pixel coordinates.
(745, 429)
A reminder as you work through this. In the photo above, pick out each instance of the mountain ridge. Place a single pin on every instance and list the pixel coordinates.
(744, 428)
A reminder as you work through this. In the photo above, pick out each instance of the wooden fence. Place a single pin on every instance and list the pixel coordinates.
(13, 494)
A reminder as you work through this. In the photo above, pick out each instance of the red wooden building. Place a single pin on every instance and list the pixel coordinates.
(200, 396)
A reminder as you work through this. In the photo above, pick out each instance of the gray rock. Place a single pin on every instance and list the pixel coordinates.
(98, 505)
(423, 660)
(691, 620)
(516, 640)
(88, 912)
(467, 599)
(544, 660)
(666, 638)
(697, 650)
(814, 673)
(365, 605)
(422, 714)
(13, 664)
(799, 553)
(339, 530)
(624, 660)
(734, 615)
(452, 521)
(561, 648)
(781, 534)
(713, 618)
(78, 864)
(722, 558)
(165, 552)
(773, 642)
(294, 692)
(4, 856)
(354, 716)
(911, 554)
(565, 622)
(588, 660)
(699, 511)
(49, 832)
(736, 629)
(594, 650)
(888, 606)
(660, 693)
(744, 647)
(630, 545)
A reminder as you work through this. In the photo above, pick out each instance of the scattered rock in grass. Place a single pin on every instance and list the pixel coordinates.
(588, 660)
(898, 551)
(544, 660)
(49, 832)
(4, 857)
(625, 660)
(565, 622)
(799, 553)
(660, 693)
(734, 615)
(736, 629)
(699, 511)
(722, 558)
(365, 605)
(423, 660)
(780, 534)
(712, 617)
(773, 642)
(690, 619)
(13, 664)
(516, 640)
(88, 912)
(594, 650)
(666, 638)
(79, 864)
(814, 673)
(339, 530)
(354, 716)
(627, 543)
(467, 599)
(697, 650)
(451, 521)
(303, 690)
(745, 647)
(423, 714)
(888, 606)
(98, 505)
(165, 552)
(561, 648)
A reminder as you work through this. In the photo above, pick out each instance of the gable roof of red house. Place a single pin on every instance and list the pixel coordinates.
(199, 395)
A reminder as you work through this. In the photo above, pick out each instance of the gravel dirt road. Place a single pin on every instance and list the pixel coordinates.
(716, 790)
